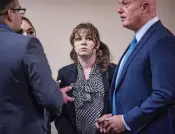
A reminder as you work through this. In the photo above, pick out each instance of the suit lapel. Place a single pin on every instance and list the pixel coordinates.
(112, 88)
(71, 77)
(138, 47)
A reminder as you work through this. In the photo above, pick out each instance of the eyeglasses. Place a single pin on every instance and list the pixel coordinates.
(20, 10)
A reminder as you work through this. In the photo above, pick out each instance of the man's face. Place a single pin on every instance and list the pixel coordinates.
(130, 13)
(16, 17)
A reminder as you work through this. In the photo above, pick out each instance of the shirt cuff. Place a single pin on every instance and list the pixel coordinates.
(126, 126)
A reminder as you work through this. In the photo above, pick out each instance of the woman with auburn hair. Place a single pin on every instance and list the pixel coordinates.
(90, 77)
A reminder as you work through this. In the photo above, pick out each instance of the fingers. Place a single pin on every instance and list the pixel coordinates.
(107, 124)
(70, 99)
(108, 115)
(108, 130)
(107, 119)
(103, 118)
(97, 125)
(67, 98)
(101, 129)
(66, 89)
(102, 121)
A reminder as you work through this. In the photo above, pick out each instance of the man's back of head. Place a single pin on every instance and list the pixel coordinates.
(10, 14)
(5, 4)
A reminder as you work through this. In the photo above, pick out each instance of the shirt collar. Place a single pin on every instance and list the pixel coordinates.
(140, 33)
(5, 27)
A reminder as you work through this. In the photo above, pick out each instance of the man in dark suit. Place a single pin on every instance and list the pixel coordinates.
(143, 89)
(26, 84)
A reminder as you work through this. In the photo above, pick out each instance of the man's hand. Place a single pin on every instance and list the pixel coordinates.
(114, 125)
(101, 122)
(65, 96)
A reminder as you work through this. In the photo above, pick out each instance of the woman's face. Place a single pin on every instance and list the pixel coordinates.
(83, 44)
(27, 29)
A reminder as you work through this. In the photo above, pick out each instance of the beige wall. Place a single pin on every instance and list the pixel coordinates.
(55, 19)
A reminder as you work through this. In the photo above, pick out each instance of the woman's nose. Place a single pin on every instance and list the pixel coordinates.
(83, 41)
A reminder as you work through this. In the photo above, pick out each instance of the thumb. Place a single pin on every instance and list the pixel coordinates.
(108, 115)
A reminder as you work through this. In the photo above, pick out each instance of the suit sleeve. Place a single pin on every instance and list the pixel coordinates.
(54, 116)
(44, 88)
(162, 65)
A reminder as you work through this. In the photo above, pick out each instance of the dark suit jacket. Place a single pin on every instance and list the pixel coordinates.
(66, 124)
(26, 85)
(146, 89)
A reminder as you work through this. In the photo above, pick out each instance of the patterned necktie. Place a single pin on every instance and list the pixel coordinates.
(122, 63)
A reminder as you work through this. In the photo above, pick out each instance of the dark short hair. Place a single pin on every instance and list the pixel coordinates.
(103, 53)
(6, 4)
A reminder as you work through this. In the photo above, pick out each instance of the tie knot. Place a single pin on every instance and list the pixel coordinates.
(133, 42)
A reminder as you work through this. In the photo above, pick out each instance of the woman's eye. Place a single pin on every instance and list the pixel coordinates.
(88, 38)
(31, 33)
(77, 39)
